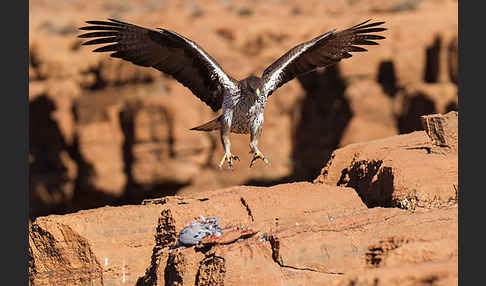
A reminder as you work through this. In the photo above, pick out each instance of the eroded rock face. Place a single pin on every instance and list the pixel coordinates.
(52, 169)
(157, 150)
(442, 130)
(106, 132)
(100, 140)
(107, 246)
(423, 99)
(413, 170)
(58, 255)
(307, 234)
(440, 273)
(122, 238)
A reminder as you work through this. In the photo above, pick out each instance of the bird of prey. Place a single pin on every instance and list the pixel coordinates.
(242, 102)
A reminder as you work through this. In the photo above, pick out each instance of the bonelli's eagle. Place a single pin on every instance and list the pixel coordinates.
(242, 102)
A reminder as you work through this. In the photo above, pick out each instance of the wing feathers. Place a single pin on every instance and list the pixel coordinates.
(372, 37)
(99, 28)
(166, 51)
(110, 48)
(101, 41)
(97, 34)
(346, 55)
(371, 30)
(364, 42)
(357, 49)
(118, 55)
(322, 51)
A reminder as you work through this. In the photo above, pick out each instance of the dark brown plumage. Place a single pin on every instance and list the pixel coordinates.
(322, 51)
(242, 102)
(166, 51)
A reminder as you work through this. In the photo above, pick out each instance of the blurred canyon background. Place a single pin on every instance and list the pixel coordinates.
(107, 132)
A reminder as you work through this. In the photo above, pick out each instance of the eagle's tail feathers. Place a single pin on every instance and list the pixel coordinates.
(209, 126)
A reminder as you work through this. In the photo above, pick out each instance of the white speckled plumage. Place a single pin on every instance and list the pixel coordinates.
(243, 112)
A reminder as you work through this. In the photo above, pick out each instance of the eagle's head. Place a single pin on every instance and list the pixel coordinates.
(252, 86)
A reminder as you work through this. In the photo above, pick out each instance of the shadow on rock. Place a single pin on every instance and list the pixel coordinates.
(319, 122)
(416, 106)
(387, 78)
(51, 181)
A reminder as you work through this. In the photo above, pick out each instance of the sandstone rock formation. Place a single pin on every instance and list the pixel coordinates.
(109, 244)
(408, 171)
(382, 212)
(308, 234)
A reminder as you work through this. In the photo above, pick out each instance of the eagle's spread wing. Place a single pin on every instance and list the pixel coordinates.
(166, 51)
(322, 51)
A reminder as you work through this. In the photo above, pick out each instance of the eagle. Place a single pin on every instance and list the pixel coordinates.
(242, 101)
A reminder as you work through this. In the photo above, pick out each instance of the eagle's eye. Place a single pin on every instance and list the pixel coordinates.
(258, 92)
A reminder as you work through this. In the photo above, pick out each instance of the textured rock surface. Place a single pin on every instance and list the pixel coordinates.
(406, 171)
(119, 241)
(428, 273)
(58, 255)
(422, 99)
(100, 146)
(442, 129)
(103, 131)
(307, 234)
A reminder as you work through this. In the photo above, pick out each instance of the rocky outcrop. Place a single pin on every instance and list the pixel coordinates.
(428, 273)
(156, 150)
(306, 234)
(443, 130)
(107, 246)
(408, 171)
(58, 255)
(267, 210)
(384, 212)
(99, 140)
(422, 99)
(121, 239)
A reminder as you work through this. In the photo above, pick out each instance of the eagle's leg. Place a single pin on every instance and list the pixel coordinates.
(225, 140)
(254, 135)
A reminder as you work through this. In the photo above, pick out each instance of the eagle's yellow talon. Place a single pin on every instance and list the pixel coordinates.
(259, 155)
(228, 157)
